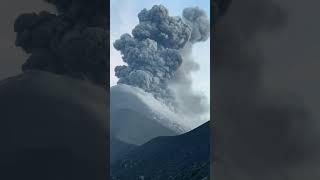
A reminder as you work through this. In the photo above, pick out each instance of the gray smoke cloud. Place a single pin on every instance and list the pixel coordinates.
(195, 103)
(158, 48)
(72, 42)
(197, 19)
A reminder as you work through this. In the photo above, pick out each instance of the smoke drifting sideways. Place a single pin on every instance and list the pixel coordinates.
(260, 134)
(73, 42)
(158, 55)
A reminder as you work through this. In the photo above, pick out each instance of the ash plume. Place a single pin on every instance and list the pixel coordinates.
(158, 48)
(197, 19)
(72, 42)
(191, 103)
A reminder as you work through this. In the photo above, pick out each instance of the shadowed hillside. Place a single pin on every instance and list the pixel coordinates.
(178, 157)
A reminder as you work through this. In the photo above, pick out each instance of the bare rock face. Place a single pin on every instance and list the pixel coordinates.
(52, 127)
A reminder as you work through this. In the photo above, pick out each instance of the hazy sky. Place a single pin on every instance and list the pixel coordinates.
(124, 18)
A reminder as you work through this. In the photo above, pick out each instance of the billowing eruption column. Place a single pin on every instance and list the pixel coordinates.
(155, 50)
(73, 42)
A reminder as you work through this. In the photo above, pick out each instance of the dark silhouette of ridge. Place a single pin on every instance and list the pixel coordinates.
(174, 157)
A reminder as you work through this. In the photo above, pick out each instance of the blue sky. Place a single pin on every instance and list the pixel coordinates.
(124, 18)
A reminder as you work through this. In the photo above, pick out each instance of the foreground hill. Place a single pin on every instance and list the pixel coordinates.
(164, 158)
(118, 149)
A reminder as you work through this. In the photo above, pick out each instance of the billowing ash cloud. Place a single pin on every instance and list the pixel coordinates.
(152, 54)
(157, 50)
(198, 20)
(72, 42)
(191, 103)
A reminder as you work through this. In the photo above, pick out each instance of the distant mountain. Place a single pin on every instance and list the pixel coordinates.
(137, 117)
(168, 158)
(136, 128)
